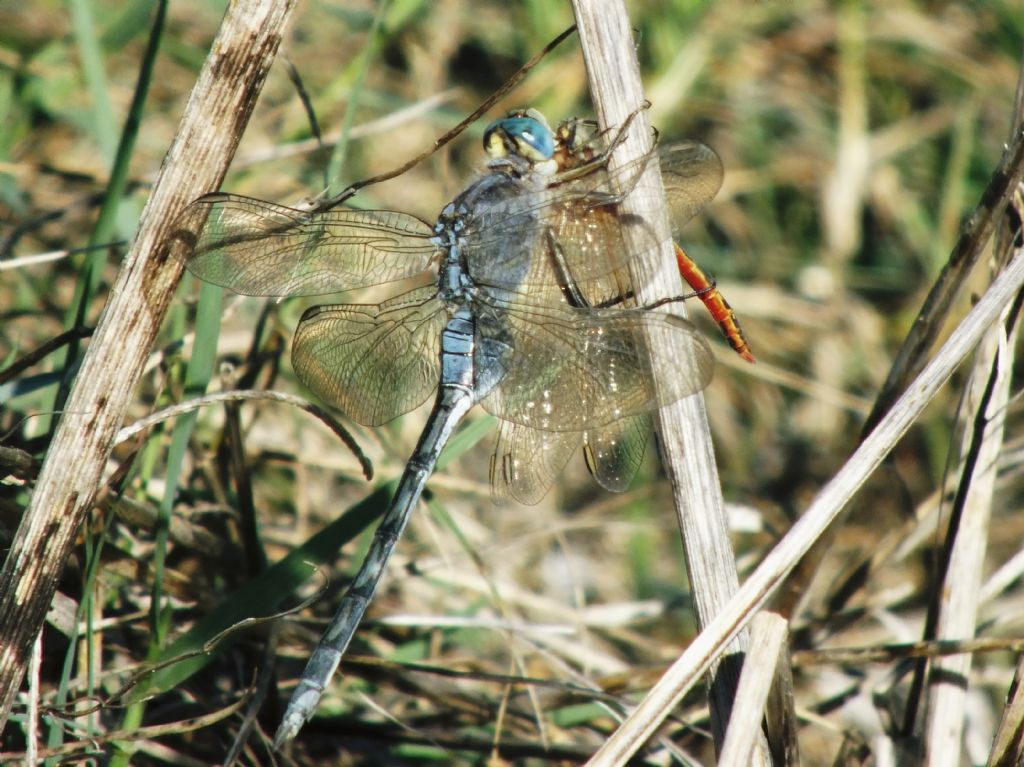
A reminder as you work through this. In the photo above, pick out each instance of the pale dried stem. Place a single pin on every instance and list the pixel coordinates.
(988, 392)
(766, 653)
(684, 436)
(982, 422)
(209, 131)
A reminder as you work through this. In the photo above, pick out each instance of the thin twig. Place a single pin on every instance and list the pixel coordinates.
(35, 356)
(239, 395)
(379, 125)
(490, 101)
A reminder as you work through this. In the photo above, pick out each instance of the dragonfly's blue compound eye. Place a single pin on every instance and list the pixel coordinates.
(523, 136)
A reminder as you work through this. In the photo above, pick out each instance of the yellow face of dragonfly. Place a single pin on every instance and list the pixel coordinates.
(523, 133)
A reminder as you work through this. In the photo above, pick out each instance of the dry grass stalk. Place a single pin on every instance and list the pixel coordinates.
(105, 385)
(684, 437)
(765, 657)
(983, 424)
(984, 418)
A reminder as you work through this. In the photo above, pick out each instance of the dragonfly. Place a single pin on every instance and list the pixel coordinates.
(525, 461)
(578, 143)
(504, 314)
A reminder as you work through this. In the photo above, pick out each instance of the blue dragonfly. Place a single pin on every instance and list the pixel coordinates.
(521, 307)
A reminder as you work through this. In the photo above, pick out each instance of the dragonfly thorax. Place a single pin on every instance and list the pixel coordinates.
(486, 235)
(453, 277)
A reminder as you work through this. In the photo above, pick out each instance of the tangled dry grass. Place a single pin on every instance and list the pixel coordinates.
(856, 137)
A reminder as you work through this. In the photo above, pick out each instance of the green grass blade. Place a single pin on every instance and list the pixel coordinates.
(108, 220)
(334, 167)
(84, 25)
(265, 594)
(466, 439)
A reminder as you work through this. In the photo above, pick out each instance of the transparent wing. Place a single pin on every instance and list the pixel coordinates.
(590, 228)
(373, 362)
(614, 452)
(583, 218)
(691, 172)
(577, 369)
(500, 229)
(692, 175)
(500, 235)
(526, 461)
(260, 249)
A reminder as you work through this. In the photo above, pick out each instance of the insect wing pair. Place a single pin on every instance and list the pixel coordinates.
(578, 370)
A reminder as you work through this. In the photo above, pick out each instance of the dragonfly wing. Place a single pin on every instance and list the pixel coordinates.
(258, 248)
(373, 362)
(579, 206)
(576, 369)
(691, 171)
(589, 228)
(587, 223)
(527, 461)
(692, 175)
(511, 218)
(590, 250)
(579, 214)
(614, 452)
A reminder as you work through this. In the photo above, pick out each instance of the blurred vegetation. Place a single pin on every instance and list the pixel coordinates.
(856, 136)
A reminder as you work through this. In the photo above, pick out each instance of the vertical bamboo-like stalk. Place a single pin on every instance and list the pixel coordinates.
(215, 116)
(684, 436)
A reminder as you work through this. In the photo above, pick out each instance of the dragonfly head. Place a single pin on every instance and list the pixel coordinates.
(522, 134)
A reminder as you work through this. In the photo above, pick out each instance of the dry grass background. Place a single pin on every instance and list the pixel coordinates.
(855, 137)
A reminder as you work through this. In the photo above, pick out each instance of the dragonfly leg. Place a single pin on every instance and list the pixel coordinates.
(595, 161)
